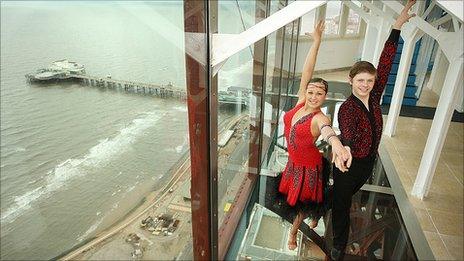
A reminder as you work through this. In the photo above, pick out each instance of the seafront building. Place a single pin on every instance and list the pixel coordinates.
(240, 80)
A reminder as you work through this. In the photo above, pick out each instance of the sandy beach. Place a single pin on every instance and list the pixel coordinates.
(151, 203)
(111, 244)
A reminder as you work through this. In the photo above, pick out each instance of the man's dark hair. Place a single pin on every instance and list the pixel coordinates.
(362, 67)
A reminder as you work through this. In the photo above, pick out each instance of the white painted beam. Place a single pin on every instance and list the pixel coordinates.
(428, 10)
(382, 34)
(400, 86)
(436, 62)
(372, 31)
(439, 129)
(455, 24)
(422, 63)
(451, 43)
(343, 20)
(419, 8)
(379, 43)
(441, 20)
(368, 18)
(416, 21)
(459, 100)
(453, 7)
(368, 49)
(382, 13)
(225, 49)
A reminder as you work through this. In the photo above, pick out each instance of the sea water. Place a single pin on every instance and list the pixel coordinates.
(75, 159)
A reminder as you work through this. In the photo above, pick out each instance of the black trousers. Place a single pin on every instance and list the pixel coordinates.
(345, 186)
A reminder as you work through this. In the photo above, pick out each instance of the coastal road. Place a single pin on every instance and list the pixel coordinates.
(182, 170)
(177, 175)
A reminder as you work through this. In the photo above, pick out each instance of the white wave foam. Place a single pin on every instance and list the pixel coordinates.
(19, 149)
(90, 230)
(32, 182)
(130, 189)
(180, 108)
(22, 203)
(184, 144)
(98, 156)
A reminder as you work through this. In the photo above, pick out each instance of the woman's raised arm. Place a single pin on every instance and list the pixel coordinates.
(310, 61)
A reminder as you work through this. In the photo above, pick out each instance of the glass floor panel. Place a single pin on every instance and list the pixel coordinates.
(377, 230)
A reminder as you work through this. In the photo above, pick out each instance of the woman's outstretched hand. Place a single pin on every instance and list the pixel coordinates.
(404, 15)
(341, 156)
(318, 30)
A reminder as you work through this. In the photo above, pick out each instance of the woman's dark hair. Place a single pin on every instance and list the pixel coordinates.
(320, 80)
(362, 67)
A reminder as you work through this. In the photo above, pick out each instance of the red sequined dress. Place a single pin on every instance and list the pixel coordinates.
(302, 182)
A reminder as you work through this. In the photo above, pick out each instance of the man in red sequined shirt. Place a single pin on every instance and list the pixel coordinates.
(360, 122)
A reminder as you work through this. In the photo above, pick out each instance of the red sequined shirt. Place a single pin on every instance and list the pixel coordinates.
(361, 129)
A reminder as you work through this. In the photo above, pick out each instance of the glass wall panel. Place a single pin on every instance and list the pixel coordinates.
(377, 231)
(307, 22)
(332, 17)
(95, 144)
(241, 12)
(273, 82)
(235, 81)
(237, 104)
(358, 3)
(240, 87)
(286, 46)
(288, 86)
(353, 23)
(295, 37)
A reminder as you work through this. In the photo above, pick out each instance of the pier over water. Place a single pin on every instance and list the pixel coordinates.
(64, 70)
(162, 91)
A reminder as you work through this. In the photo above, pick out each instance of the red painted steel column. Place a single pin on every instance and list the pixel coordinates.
(200, 132)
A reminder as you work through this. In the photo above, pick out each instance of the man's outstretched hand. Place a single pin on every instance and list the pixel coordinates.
(404, 15)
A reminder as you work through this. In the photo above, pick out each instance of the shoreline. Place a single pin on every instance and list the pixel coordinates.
(163, 196)
(146, 203)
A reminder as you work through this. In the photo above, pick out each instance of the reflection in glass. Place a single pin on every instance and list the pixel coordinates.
(240, 87)
(377, 231)
(293, 53)
(273, 85)
(307, 22)
(287, 89)
(242, 12)
(332, 17)
(353, 23)
(236, 118)
(78, 157)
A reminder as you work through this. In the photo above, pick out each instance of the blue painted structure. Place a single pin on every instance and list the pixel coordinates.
(411, 88)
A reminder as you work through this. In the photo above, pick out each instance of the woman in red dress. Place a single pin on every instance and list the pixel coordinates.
(302, 181)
